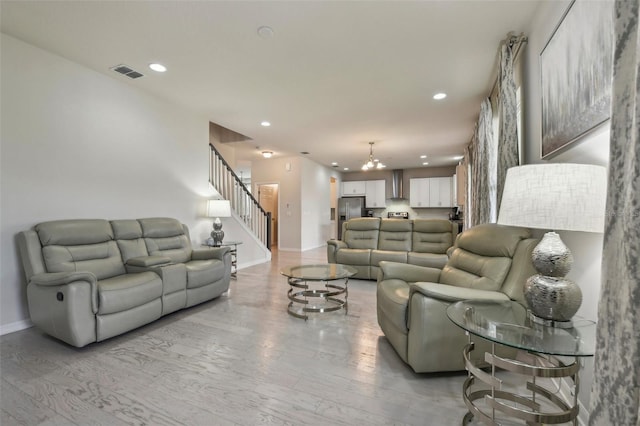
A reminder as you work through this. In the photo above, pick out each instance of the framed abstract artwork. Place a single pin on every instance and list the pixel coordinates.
(576, 68)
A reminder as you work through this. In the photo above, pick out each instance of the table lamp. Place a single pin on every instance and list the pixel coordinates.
(218, 209)
(559, 196)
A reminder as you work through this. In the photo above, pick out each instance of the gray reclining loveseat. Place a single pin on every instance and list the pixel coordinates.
(92, 279)
(368, 241)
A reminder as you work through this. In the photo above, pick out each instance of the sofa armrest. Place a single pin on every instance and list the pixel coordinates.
(337, 244)
(451, 293)
(62, 278)
(52, 279)
(209, 253)
(332, 248)
(148, 261)
(407, 272)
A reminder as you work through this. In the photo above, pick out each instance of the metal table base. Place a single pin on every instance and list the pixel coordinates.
(530, 408)
(323, 297)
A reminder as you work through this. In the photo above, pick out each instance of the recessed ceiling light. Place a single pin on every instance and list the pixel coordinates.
(423, 156)
(439, 96)
(345, 169)
(334, 163)
(267, 154)
(158, 67)
(265, 124)
(425, 164)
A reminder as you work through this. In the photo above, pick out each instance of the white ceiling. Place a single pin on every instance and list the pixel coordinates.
(334, 76)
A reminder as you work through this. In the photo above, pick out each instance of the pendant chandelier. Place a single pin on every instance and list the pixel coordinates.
(371, 162)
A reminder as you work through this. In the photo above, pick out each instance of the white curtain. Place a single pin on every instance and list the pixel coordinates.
(508, 116)
(483, 160)
(615, 393)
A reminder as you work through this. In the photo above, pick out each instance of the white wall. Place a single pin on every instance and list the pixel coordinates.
(316, 204)
(305, 199)
(286, 172)
(591, 149)
(79, 144)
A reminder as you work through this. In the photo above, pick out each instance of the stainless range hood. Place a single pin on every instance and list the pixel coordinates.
(396, 185)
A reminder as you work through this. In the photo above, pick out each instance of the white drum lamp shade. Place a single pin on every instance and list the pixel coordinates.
(218, 209)
(558, 197)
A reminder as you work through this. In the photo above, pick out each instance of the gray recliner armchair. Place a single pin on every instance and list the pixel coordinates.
(488, 262)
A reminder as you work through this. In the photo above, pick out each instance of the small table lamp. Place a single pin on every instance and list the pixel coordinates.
(562, 196)
(218, 209)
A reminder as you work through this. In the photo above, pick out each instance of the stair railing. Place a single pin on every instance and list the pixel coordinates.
(231, 188)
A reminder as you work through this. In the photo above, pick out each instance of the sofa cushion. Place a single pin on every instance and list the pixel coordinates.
(432, 260)
(466, 269)
(391, 256)
(74, 232)
(492, 240)
(203, 272)
(164, 236)
(363, 224)
(395, 234)
(126, 229)
(432, 225)
(159, 227)
(128, 235)
(362, 233)
(176, 248)
(127, 291)
(101, 259)
(131, 249)
(431, 236)
(350, 256)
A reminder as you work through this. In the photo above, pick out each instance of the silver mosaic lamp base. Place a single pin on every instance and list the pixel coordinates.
(217, 234)
(553, 299)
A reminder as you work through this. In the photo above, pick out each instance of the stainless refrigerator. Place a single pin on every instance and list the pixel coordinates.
(349, 207)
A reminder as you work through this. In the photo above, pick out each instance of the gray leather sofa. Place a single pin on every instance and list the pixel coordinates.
(489, 262)
(92, 279)
(368, 241)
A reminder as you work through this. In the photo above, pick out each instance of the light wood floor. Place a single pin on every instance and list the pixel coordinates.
(237, 360)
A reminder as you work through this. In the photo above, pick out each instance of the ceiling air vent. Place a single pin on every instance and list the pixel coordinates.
(125, 70)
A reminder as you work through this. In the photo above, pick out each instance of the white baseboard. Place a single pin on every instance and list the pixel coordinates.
(313, 248)
(255, 262)
(15, 326)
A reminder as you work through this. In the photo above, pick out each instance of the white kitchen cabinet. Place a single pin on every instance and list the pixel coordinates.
(430, 192)
(375, 194)
(356, 188)
(419, 192)
(440, 192)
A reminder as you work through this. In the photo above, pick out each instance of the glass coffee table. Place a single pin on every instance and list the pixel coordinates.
(508, 324)
(320, 289)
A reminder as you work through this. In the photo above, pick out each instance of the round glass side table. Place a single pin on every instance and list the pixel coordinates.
(550, 392)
